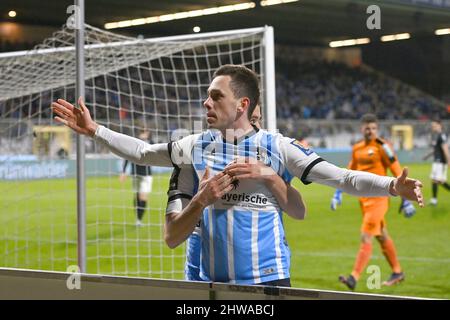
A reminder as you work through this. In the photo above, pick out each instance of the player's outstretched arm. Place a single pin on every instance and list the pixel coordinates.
(365, 184)
(130, 148)
(287, 196)
(179, 225)
(309, 167)
(78, 119)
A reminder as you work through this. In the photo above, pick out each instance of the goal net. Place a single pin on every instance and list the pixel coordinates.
(132, 84)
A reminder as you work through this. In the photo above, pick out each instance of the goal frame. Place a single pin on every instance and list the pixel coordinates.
(268, 101)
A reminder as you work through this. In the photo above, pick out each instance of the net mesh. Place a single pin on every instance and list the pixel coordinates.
(132, 84)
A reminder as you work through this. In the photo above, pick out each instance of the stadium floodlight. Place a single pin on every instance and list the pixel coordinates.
(181, 15)
(196, 29)
(265, 3)
(349, 42)
(131, 83)
(441, 32)
(394, 37)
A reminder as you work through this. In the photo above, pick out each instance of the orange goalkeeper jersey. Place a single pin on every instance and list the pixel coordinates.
(375, 156)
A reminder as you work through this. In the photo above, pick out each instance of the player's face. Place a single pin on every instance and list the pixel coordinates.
(435, 126)
(221, 105)
(256, 118)
(144, 135)
(369, 130)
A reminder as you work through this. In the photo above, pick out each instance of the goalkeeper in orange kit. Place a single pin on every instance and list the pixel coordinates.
(375, 155)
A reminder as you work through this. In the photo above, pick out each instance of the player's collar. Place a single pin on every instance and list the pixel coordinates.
(248, 135)
(255, 128)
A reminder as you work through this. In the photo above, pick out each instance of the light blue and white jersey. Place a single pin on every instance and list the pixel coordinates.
(242, 234)
(193, 256)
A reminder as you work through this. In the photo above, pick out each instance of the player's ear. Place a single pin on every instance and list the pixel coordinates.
(244, 103)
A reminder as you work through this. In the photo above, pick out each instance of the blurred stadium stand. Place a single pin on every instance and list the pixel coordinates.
(321, 91)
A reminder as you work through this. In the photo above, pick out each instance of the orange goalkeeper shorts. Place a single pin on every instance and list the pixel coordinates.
(374, 210)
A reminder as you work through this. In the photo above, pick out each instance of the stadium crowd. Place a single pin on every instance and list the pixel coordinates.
(330, 90)
(308, 90)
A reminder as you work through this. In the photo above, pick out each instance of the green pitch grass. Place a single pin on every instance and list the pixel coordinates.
(38, 230)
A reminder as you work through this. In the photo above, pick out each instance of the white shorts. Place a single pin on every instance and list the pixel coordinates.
(439, 172)
(142, 184)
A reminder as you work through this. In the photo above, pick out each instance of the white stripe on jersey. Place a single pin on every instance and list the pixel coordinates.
(230, 241)
(255, 251)
(211, 243)
(276, 232)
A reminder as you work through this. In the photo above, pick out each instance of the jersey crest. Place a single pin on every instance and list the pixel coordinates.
(301, 147)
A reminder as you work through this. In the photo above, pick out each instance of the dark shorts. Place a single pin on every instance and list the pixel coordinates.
(277, 283)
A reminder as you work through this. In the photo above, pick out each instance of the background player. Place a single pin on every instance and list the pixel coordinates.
(142, 181)
(440, 159)
(375, 155)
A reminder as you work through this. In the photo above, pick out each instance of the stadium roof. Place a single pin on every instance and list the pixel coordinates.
(303, 22)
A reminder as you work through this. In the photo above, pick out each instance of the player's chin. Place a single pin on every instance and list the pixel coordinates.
(212, 123)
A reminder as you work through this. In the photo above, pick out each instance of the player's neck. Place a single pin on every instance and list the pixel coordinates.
(237, 132)
(369, 140)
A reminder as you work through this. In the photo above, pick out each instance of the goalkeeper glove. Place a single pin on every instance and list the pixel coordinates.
(407, 208)
(336, 200)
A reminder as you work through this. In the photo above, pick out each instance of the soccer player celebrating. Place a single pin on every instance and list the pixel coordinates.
(375, 155)
(180, 193)
(441, 159)
(242, 232)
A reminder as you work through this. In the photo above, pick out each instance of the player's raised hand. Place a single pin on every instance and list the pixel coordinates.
(213, 188)
(78, 119)
(410, 189)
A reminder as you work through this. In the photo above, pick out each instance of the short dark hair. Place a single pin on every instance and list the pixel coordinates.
(436, 119)
(369, 118)
(244, 83)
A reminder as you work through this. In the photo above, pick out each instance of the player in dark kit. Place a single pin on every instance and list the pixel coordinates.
(142, 181)
(441, 158)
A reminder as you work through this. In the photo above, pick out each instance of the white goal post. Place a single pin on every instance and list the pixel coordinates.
(131, 84)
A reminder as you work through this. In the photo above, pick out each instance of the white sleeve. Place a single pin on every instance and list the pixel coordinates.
(181, 150)
(181, 189)
(309, 167)
(132, 149)
(357, 183)
(298, 159)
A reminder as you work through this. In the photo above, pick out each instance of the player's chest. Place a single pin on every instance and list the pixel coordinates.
(368, 156)
(217, 155)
